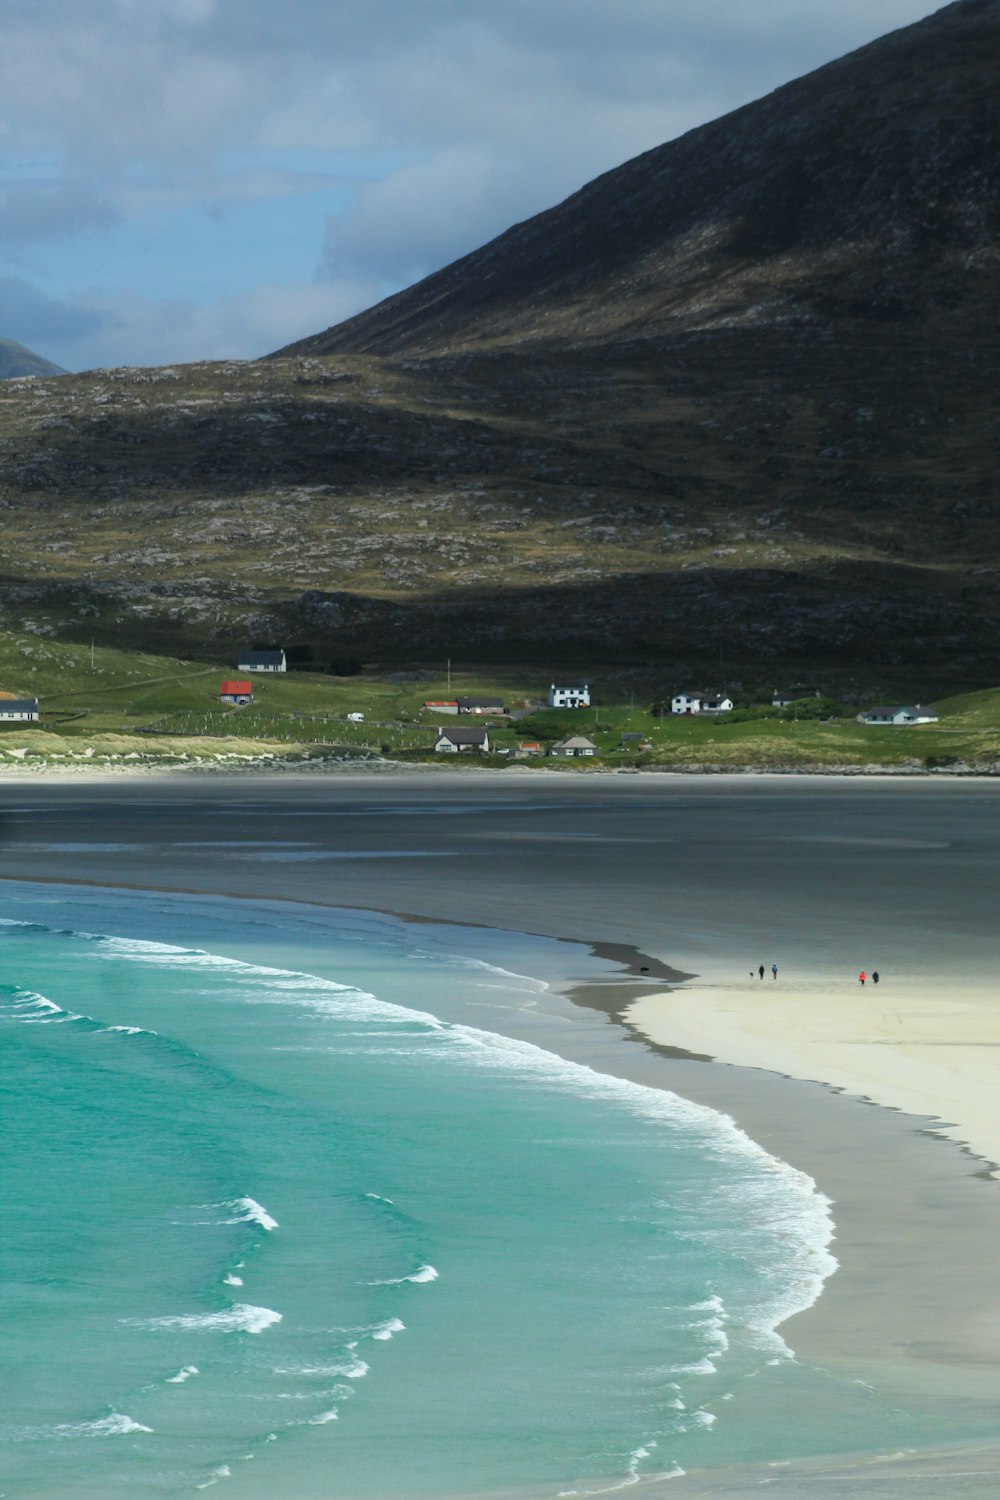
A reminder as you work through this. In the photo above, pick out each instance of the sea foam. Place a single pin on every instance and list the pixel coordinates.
(386, 1330)
(785, 1196)
(113, 1425)
(422, 1274)
(248, 1211)
(241, 1318)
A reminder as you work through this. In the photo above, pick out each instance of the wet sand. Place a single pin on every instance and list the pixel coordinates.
(708, 876)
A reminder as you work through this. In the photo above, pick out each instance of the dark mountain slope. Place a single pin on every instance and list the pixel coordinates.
(734, 403)
(868, 189)
(16, 360)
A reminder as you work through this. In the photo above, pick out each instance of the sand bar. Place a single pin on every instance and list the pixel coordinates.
(927, 1046)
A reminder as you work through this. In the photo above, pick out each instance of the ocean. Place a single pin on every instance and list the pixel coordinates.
(286, 1212)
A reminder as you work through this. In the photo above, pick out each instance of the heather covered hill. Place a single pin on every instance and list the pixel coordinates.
(733, 405)
(868, 190)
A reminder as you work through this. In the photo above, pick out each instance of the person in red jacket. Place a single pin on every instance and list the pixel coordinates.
(862, 976)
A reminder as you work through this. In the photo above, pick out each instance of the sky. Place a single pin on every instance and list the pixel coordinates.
(212, 179)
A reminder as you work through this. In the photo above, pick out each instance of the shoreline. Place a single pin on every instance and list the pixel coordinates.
(918, 1046)
(915, 1306)
(796, 1122)
(336, 767)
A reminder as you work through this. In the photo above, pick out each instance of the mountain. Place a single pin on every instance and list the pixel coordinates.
(865, 192)
(15, 360)
(726, 414)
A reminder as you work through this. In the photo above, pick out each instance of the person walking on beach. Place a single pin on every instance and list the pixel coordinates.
(760, 971)
(862, 977)
(774, 971)
(874, 976)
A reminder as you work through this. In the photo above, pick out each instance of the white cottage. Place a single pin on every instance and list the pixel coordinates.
(917, 714)
(700, 703)
(455, 741)
(18, 710)
(262, 661)
(574, 744)
(569, 697)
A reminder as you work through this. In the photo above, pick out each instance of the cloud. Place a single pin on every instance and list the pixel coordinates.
(31, 318)
(109, 329)
(47, 209)
(159, 81)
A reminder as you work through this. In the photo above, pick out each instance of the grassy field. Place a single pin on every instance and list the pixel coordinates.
(114, 706)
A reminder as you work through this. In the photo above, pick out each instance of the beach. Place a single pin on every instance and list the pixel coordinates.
(882, 1095)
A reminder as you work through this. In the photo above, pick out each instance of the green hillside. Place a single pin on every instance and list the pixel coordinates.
(110, 706)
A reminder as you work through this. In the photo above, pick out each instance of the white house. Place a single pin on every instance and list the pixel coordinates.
(454, 741)
(700, 703)
(917, 714)
(569, 697)
(574, 744)
(18, 710)
(262, 661)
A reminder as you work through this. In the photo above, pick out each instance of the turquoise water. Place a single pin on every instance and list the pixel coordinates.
(272, 1224)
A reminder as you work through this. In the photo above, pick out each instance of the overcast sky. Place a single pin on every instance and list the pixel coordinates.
(206, 179)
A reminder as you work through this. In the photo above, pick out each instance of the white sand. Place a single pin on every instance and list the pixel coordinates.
(928, 1046)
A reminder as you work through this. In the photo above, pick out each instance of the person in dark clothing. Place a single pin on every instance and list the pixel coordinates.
(774, 971)
(874, 976)
(760, 971)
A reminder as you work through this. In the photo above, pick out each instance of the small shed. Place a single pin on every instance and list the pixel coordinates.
(526, 748)
(262, 661)
(237, 692)
(18, 710)
(574, 744)
(441, 705)
(458, 741)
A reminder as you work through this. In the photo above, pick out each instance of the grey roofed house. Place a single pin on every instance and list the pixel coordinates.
(918, 713)
(480, 705)
(19, 709)
(574, 744)
(452, 741)
(262, 661)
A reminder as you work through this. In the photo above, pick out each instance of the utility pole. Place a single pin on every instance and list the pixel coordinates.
(91, 653)
(449, 674)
